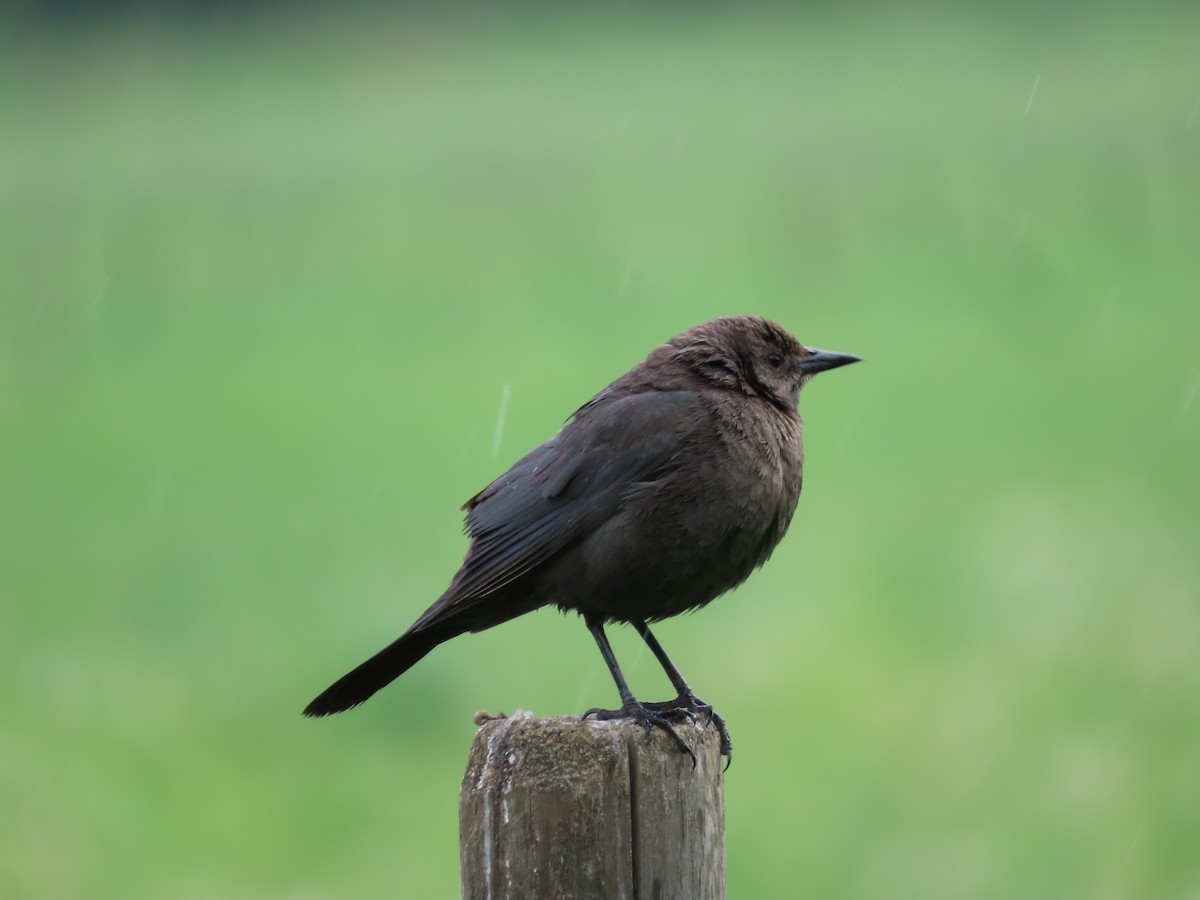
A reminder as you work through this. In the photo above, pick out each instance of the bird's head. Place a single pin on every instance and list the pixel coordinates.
(754, 356)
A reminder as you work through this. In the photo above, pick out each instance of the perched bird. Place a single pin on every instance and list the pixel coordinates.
(662, 492)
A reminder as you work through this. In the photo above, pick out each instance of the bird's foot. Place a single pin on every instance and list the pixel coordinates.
(690, 706)
(648, 717)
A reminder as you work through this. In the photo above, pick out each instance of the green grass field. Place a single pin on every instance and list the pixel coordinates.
(263, 284)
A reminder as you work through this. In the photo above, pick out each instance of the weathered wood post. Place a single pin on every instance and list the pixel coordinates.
(565, 808)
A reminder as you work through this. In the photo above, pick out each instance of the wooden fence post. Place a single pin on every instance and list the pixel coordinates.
(564, 808)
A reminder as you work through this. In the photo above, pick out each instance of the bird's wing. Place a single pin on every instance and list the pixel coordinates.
(564, 489)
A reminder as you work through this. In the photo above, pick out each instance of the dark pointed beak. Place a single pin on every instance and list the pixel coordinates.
(820, 360)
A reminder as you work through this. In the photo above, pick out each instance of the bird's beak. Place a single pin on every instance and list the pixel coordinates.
(820, 360)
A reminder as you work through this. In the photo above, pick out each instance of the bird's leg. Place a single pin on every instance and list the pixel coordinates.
(630, 707)
(687, 701)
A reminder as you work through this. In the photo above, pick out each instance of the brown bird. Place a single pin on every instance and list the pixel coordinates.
(662, 492)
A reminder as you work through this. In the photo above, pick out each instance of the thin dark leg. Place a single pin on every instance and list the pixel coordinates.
(630, 707)
(660, 654)
(596, 627)
(687, 701)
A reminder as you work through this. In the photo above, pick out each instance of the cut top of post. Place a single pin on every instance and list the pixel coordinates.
(562, 807)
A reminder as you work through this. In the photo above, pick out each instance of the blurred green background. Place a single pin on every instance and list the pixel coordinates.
(264, 280)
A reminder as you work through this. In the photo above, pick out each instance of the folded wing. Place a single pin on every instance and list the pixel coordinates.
(560, 492)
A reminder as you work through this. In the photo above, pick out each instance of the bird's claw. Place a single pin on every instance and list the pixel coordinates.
(690, 707)
(646, 716)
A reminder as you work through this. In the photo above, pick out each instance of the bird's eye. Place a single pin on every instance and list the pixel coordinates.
(775, 360)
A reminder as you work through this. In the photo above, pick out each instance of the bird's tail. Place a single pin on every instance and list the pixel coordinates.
(377, 672)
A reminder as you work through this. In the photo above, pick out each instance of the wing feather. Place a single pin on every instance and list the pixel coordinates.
(565, 489)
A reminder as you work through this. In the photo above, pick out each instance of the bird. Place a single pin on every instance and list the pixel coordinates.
(664, 491)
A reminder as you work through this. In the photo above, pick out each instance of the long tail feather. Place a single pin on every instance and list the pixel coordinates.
(377, 672)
